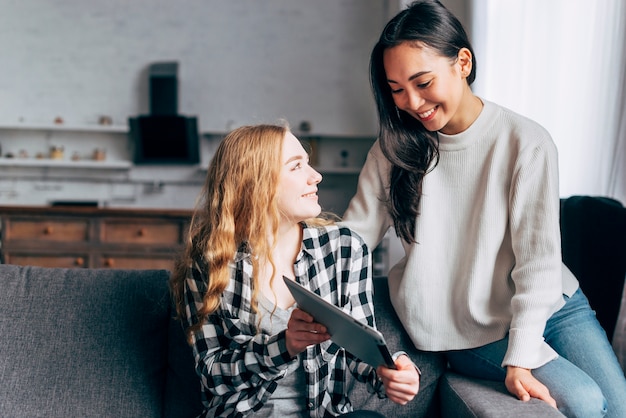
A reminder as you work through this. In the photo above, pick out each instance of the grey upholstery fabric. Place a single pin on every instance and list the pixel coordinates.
(432, 365)
(182, 386)
(463, 397)
(442, 393)
(82, 343)
(104, 343)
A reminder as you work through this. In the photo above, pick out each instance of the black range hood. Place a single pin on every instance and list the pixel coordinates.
(164, 136)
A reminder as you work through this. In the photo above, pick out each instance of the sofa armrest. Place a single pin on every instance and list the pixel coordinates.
(464, 397)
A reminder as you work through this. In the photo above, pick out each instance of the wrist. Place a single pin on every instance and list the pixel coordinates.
(397, 354)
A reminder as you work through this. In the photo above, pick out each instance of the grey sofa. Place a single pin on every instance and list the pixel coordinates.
(103, 343)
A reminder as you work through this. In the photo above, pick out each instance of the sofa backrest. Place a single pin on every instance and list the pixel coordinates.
(84, 342)
(593, 239)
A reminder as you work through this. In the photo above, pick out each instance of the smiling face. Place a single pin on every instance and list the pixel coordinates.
(297, 183)
(431, 88)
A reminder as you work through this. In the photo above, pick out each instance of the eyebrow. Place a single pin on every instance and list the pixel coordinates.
(413, 77)
(294, 158)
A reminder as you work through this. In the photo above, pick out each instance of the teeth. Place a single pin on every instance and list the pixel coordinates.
(310, 195)
(426, 114)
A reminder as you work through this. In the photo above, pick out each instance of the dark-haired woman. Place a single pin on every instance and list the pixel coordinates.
(472, 190)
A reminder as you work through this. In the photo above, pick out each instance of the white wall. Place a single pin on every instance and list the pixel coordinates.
(241, 61)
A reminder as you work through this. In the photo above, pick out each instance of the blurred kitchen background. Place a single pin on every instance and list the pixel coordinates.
(76, 72)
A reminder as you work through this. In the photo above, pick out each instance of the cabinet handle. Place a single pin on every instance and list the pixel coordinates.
(141, 232)
(79, 262)
(109, 262)
(48, 230)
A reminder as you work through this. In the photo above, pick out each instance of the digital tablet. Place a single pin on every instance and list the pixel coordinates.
(359, 339)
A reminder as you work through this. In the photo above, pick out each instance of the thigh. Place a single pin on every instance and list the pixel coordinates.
(575, 393)
(481, 362)
(575, 333)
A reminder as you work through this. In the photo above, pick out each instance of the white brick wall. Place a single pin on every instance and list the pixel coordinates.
(243, 61)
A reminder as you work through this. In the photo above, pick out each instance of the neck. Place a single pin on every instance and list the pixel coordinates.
(468, 112)
(287, 244)
(286, 248)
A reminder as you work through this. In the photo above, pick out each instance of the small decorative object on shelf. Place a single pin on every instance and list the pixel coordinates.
(305, 126)
(58, 120)
(99, 154)
(56, 153)
(344, 157)
(105, 120)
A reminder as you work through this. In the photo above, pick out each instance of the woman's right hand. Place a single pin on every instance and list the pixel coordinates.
(521, 383)
(303, 331)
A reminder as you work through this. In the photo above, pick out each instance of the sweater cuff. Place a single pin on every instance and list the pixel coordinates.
(397, 354)
(527, 350)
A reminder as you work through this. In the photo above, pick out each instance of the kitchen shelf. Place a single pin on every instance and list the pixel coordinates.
(321, 170)
(48, 163)
(338, 170)
(67, 128)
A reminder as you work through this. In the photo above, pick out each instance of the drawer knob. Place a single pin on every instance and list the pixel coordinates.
(141, 232)
(109, 262)
(48, 230)
(79, 262)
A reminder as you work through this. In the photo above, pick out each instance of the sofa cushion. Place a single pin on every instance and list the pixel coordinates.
(432, 365)
(182, 387)
(82, 342)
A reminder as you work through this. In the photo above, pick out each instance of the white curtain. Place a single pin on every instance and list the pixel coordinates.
(563, 64)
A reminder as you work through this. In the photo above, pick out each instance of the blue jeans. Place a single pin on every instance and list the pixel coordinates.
(586, 380)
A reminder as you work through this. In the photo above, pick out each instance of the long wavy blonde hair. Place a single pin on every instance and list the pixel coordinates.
(238, 204)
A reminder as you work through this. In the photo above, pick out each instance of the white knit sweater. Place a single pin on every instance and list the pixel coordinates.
(487, 259)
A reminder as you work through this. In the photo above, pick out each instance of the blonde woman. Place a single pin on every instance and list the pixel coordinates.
(257, 221)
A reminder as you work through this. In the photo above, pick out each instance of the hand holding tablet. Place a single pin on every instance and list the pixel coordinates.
(359, 339)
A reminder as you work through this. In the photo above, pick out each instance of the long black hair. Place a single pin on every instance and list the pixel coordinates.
(411, 148)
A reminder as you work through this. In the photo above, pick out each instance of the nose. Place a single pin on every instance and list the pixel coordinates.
(315, 177)
(414, 100)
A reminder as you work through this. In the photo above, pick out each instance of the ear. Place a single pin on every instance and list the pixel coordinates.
(464, 61)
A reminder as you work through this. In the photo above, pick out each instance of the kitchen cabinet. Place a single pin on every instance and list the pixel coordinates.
(82, 237)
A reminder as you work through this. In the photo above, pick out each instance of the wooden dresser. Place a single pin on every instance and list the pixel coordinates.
(92, 237)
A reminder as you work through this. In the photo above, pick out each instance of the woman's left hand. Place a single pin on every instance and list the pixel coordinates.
(401, 384)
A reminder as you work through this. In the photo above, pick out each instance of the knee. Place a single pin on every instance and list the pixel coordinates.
(584, 402)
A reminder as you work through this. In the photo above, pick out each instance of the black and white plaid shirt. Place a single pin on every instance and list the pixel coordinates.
(240, 365)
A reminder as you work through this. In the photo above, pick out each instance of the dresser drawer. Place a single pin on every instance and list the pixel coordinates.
(46, 230)
(140, 232)
(85, 237)
(138, 263)
(47, 260)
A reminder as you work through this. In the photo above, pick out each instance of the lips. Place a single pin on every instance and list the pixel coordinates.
(428, 115)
